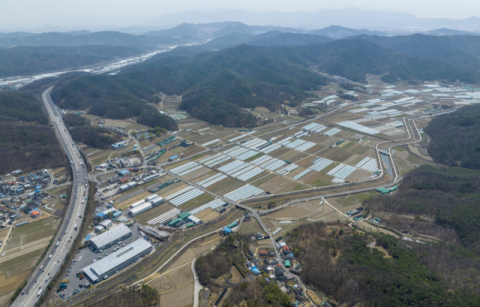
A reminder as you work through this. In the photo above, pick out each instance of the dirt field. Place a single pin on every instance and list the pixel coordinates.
(314, 297)
(236, 276)
(291, 213)
(226, 185)
(10, 284)
(196, 202)
(181, 277)
(207, 215)
(148, 215)
(31, 232)
(4, 299)
(179, 298)
(162, 284)
(60, 190)
(197, 249)
(126, 203)
(276, 184)
(250, 227)
(172, 191)
(19, 264)
(100, 157)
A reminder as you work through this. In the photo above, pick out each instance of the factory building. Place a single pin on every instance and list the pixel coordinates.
(110, 237)
(116, 261)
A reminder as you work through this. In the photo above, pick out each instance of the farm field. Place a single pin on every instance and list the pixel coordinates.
(148, 215)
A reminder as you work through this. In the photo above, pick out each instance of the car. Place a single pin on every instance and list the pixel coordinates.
(100, 257)
(106, 254)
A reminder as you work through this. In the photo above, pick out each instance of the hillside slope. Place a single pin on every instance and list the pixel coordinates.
(23, 60)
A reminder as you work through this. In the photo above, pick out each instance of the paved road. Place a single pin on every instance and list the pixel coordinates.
(62, 243)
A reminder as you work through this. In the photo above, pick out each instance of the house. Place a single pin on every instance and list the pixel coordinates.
(286, 249)
(263, 253)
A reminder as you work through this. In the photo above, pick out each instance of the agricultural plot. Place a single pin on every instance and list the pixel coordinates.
(100, 157)
(250, 227)
(225, 186)
(195, 202)
(181, 276)
(179, 298)
(146, 216)
(32, 232)
(207, 215)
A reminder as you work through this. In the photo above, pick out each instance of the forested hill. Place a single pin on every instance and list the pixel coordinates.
(455, 137)
(460, 50)
(217, 86)
(26, 140)
(23, 60)
(354, 58)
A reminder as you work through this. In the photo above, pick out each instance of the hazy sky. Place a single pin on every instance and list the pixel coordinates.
(50, 12)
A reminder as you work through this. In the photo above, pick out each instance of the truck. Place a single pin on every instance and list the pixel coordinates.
(75, 227)
(39, 292)
(58, 242)
(65, 281)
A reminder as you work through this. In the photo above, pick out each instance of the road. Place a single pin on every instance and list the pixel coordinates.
(62, 244)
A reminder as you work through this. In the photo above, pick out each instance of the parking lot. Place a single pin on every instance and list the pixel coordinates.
(84, 258)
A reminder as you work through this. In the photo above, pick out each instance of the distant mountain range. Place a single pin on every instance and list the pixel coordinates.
(82, 38)
(349, 17)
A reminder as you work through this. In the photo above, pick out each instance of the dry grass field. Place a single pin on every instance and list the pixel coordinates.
(250, 227)
(181, 276)
(162, 284)
(31, 232)
(179, 298)
(207, 215)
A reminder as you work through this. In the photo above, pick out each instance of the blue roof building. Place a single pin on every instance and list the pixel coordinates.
(123, 173)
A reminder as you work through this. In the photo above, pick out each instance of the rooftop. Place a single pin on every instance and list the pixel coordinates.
(111, 235)
(132, 250)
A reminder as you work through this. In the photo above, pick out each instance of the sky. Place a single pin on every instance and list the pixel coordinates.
(61, 12)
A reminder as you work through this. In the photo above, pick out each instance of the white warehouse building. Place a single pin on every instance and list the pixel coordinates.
(110, 237)
(117, 260)
(139, 209)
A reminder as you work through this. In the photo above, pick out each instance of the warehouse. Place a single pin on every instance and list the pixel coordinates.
(116, 261)
(106, 224)
(113, 236)
(139, 209)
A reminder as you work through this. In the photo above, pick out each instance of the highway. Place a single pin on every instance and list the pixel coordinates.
(67, 233)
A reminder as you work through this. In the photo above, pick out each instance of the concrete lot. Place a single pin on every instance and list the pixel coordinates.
(84, 258)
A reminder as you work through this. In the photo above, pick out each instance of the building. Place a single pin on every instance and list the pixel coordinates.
(173, 158)
(140, 208)
(116, 261)
(106, 224)
(120, 144)
(108, 238)
(159, 234)
(17, 172)
(124, 172)
(104, 214)
(35, 214)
